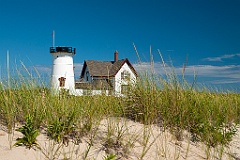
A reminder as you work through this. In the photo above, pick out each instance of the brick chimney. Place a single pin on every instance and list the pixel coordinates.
(115, 56)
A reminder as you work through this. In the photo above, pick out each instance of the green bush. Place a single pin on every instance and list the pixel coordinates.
(29, 132)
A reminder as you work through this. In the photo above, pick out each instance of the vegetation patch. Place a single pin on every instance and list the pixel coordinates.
(168, 102)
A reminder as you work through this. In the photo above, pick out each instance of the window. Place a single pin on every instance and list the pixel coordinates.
(87, 92)
(62, 81)
(87, 76)
(125, 75)
(124, 89)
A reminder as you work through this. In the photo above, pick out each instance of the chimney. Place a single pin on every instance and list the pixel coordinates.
(115, 56)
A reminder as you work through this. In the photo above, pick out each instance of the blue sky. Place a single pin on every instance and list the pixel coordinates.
(205, 31)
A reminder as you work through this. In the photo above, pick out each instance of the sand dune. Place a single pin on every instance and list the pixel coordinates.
(135, 141)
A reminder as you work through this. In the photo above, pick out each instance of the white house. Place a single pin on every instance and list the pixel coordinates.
(105, 77)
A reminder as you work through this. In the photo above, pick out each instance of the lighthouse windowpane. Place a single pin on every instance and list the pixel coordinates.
(65, 49)
(62, 81)
(70, 50)
(52, 50)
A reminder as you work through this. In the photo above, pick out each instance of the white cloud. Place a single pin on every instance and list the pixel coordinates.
(219, 74)
(220, 59)
(43, 68)
(226, 81)
(230, 71)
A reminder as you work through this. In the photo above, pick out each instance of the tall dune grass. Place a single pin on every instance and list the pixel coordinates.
(170, 103)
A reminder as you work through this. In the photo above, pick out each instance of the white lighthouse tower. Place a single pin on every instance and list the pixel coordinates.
(62, 69)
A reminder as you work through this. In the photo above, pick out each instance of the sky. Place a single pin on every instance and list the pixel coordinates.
(203, 34)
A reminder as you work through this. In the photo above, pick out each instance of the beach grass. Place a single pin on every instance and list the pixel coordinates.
(168, 102)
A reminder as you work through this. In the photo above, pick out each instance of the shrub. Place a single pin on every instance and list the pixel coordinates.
(29, 132)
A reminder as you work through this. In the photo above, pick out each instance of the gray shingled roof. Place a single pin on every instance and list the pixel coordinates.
(104, 68)
(101, 68)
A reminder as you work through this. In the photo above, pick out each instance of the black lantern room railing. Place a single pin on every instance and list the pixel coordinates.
(63, 49)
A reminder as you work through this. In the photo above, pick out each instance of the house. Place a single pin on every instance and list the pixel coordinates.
(106, 77)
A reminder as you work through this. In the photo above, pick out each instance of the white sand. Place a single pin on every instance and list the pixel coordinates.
(158, 145)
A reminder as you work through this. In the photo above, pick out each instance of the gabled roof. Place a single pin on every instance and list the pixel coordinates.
(105, 69)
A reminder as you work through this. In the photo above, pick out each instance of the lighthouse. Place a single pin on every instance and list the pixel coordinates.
(62, 69)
